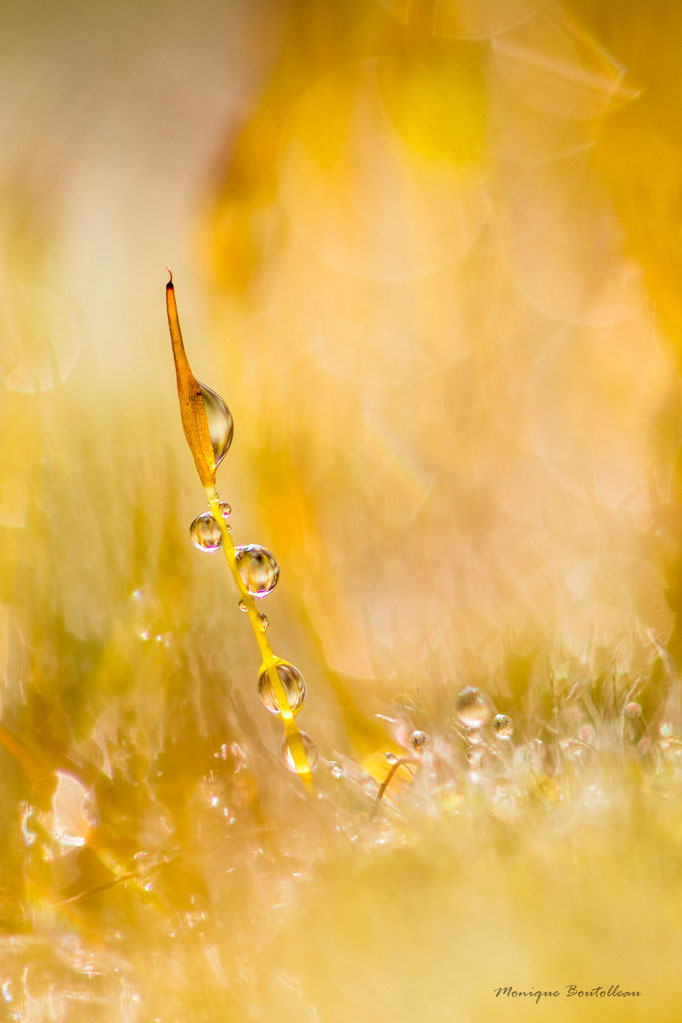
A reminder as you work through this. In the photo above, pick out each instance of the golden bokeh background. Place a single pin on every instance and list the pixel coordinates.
(428, 251)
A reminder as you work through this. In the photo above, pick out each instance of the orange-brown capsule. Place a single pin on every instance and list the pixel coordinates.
(208, 446)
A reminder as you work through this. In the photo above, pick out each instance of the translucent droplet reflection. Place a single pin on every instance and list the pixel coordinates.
(264, 621)
(293, 683)
(419, 741)
(473, 707)
(243, 607)
(475, 755)
(310, 752)
(633, 710)
(258, 569)
(205, 533)
(474, 736)
(503, 726)
(220, 424)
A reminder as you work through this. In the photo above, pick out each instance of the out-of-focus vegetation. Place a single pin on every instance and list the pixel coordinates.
(429, 254)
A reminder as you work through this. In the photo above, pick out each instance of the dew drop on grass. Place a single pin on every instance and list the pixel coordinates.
(293, 683)
(419, 741)
(204, 533)
(258, 569)
(473, 707)
(503, 726)
(220, 424)
(310, 752)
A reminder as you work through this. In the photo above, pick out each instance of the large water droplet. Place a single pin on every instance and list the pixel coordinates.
(293, 683)
(311, 753)
(204, 533)
(503, 726)
(258, 569)
(473, 707)
(220, 424)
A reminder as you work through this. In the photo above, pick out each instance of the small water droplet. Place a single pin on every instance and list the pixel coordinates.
(633, 710)
(419, 741)
(293, 682)
(474, 736)
(475, 755)
(391, 757)
(225, 510)
(264, 621)
(220, 424)
(336, 769)
(205, 533)
(258, 569)
(503, 726)
(310, 751)
(243, 607)
(473, 707)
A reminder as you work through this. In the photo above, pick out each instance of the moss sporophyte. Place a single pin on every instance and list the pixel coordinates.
(208, 427)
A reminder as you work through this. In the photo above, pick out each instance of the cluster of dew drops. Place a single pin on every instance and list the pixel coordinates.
(474, 710)
(259, 572)
(509, 769)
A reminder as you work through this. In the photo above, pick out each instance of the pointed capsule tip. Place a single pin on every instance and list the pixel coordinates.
(170, 274)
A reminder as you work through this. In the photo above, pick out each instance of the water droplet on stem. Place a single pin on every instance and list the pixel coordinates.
(311, 753)
(419, 741)
(258, 569)
(473, 707)
(205, 533)
(503, 726)
(294, 686)
(220, 423)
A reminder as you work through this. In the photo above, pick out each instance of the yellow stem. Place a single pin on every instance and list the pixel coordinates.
(291, 730)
